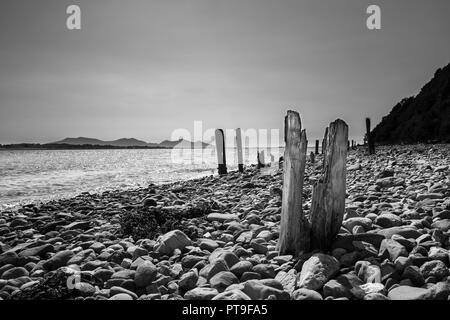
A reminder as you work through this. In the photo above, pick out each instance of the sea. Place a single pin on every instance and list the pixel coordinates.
(33, 176)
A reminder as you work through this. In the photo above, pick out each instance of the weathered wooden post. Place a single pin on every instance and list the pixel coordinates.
(324, 141)
(317, 147)
(370, 142)
(294, 227)
(261, 160)
(312, 157)
(239, 150)
(328, 197)
(221, 157)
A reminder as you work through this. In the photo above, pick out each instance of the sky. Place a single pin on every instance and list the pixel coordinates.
(143, 68)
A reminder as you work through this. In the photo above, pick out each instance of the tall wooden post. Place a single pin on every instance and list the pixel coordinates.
(239, 150)
(221, 157)
(370, 142)
(328, 197)
(294, 228)
(261, 160)
(317, 147)
(324, 141)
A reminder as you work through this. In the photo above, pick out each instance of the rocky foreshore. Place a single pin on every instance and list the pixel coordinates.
(215, 238)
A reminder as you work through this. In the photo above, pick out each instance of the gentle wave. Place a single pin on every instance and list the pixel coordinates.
(30, 176)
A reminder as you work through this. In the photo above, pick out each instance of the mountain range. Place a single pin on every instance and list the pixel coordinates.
(128, 143)
(422, 118)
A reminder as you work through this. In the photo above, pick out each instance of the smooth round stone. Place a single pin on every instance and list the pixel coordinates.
(407, 293)
(117, 290)
(201, 294)
(121, 296)
(306, 294)
(234, 294)
(14, 273)
(208, 244)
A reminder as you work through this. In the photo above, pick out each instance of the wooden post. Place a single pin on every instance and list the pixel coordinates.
(328, 197)
(294, 228)
(317, 147)
(370, 142)
(239, 150)
(221, 157)
(324, 141)
(312, 157)
(261, 160)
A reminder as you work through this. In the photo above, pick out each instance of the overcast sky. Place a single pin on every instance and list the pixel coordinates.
(144, 68)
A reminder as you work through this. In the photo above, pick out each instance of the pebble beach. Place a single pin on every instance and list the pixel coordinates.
(215, 238)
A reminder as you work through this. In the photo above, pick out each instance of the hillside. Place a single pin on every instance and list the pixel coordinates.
(423, 118)
(124, 142)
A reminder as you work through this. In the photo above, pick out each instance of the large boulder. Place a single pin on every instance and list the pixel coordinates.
(388, 220)
(145, 274)
(317, 270)
(172, 240)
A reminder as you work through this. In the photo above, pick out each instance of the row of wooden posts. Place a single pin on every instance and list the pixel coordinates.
(221, 154)
(299, 234)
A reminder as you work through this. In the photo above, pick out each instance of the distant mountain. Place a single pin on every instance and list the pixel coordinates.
(182, 144)
(126, 143)
(116, 143)
(80, 141)
(423, 118)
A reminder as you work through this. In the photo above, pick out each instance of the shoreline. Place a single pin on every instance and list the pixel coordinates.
(227, 234)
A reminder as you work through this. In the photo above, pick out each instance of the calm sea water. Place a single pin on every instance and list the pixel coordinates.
(31, 176)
